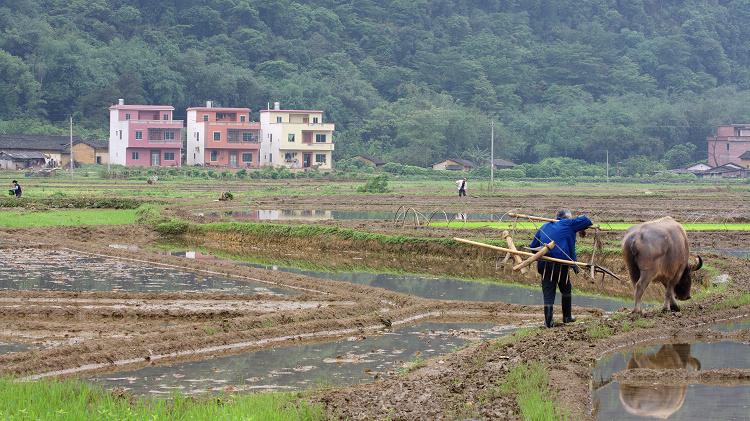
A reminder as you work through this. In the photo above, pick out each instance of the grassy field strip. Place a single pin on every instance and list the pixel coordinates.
(15, 219)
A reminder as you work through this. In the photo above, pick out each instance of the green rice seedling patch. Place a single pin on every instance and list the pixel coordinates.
(16, 219)
(72, 400)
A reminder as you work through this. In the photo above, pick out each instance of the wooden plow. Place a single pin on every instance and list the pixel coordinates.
(538, 255)
(597, 243)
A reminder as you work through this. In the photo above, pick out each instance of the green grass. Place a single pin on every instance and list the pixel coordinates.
(597, 330)
(529, 382)
(733, 301)
(72, 400)
(18, 219)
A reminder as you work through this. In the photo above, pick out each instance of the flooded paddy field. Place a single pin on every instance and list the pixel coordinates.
(217, 320)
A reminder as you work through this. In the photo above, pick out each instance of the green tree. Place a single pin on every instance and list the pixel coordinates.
(19, 92)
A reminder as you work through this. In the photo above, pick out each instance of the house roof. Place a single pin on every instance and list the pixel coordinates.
(503, 163)
(141, 107)
(94, 143)
(463, 162)
(372, 159)
(24, 155)
(745, 155)
(219, 109)
(728, 167)
(36, 142)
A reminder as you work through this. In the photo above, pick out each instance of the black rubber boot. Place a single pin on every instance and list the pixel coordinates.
(548, 322)
(567, 303)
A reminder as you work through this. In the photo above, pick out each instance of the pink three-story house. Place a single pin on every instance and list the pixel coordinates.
(144, 135)
(222, 137)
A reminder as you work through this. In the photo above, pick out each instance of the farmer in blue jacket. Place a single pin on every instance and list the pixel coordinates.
(555, 275)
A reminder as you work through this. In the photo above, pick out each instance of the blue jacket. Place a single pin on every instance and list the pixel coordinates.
(563, 231)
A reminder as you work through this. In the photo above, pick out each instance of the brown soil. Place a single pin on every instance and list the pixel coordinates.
(109, 332)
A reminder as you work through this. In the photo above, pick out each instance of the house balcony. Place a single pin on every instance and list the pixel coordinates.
(304, 146)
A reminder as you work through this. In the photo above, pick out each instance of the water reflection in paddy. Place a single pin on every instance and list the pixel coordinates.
(615, 401)
(347, 361)
(49, 270)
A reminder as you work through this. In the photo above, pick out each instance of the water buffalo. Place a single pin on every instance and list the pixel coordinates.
(658, 251)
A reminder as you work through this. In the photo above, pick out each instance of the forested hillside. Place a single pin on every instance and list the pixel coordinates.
(408, 81)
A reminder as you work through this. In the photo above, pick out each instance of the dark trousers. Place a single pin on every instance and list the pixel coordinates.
(553, 277)
(461, 192)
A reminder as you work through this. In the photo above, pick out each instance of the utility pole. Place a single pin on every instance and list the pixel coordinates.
(492, 155)
(607, 165)
(71, 148)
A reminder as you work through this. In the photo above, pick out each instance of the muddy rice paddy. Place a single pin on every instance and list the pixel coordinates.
(73, 305)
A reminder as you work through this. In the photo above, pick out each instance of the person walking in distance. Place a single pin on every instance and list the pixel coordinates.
(461, 187)
(555, 275)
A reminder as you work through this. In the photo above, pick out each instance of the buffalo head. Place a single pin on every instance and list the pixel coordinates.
(682, 289)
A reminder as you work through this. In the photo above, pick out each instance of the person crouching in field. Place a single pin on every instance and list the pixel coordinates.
(16, 189)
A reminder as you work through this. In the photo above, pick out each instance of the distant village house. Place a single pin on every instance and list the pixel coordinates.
(454, 164)
(728, 145)
(378, 163)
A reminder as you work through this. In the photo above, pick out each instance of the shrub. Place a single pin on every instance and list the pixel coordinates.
(377, 184)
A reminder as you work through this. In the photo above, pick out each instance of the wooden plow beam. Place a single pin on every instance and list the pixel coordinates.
(596, 268)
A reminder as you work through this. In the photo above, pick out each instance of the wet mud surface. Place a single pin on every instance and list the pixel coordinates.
(83, 332)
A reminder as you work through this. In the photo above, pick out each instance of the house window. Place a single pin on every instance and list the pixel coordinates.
(247, 157)
(134, 156)
(205, 117)
(214, 156)
(291, 137)
(127, 116)
(307, 137)
(165, 117)
(278, 119)
(169, 156)
(138, 134)
(242, 118)
(168, 135)
(248, 137)
(315, 119)
(320, 158)
(270, 137)
(217, 136)
(288, 157)
(727, 146)
(320, 138)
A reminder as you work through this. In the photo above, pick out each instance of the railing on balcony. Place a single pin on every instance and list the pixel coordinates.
(164, 136)
(235, 136)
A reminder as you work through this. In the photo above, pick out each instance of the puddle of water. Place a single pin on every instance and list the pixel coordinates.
(729, 327)
(740, 253)
(691, 402)
(289, 214)
(348, 361)
(10, 347)
(451, 289)
(46, 270)
(613, 400)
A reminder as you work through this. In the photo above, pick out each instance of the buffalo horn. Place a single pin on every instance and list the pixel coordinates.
(698, 263)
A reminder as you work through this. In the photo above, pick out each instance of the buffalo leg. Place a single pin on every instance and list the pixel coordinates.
(640, 287)
(669, 301)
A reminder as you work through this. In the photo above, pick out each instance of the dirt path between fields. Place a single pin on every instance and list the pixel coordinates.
(85, 333)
